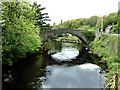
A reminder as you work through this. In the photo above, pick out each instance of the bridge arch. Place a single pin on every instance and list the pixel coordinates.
(45, 35)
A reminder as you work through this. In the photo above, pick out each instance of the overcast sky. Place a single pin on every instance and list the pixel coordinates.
(73, 9)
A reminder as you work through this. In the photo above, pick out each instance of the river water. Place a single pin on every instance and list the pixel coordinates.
(60, 65)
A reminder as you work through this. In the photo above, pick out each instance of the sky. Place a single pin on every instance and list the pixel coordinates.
(73, 9)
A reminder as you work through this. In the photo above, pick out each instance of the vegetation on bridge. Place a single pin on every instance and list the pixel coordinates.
(20, 29)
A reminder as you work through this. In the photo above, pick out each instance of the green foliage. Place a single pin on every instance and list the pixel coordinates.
(115, 29)
(107, 20)
(20, 33)
(39, 17)
(110, 19)
(119, 21)
(57, 26)
(81, 23)
(93, 28)
(84, 27)
(107, 47)
(91, 23)
(70, 38)
(90, 35)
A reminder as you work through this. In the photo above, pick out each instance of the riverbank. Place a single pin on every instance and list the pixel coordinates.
(107, 47)
(67, 40)
(62, 62)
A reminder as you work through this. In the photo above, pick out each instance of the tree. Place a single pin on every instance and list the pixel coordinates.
(20, 35)
(92, 21)
(112, 18)
(40, 17)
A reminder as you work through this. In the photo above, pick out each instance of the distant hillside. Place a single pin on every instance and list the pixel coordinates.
(93, 22)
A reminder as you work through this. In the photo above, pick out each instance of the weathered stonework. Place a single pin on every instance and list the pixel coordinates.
(45, 35)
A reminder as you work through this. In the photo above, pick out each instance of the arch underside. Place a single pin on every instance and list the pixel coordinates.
(71, 34)
(49, 34)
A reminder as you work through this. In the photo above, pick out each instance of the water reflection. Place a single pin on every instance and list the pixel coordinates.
(64, 65)
(79, 76)
(67, 53)
(53, 47)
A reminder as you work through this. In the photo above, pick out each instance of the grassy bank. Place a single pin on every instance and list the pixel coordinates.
(68, 39)
(107, 47)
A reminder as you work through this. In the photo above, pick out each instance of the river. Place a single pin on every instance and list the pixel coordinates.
(60, 65)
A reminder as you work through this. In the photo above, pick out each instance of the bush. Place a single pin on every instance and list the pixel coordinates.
(20, 37)
(107, 47)
(90, 35)
(115, 29)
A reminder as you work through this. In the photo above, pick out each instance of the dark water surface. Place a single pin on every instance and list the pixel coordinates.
(61, 65)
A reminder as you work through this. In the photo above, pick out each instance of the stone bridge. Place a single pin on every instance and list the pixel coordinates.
(45, 35)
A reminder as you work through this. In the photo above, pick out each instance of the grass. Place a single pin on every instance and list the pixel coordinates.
(69, 38)
(107, 46)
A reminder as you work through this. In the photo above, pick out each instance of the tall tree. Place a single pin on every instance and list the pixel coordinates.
(92, 21)
(20, 35)
(40, 17)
